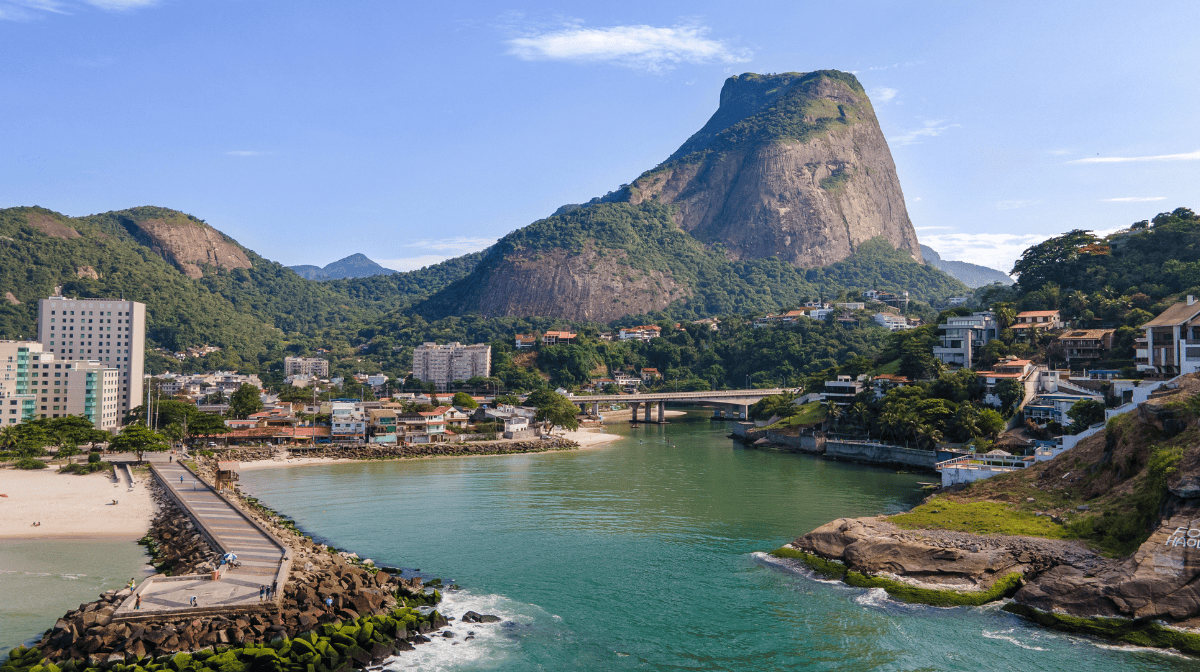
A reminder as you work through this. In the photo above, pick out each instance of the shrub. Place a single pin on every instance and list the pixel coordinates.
(93, 458)
(29, 463)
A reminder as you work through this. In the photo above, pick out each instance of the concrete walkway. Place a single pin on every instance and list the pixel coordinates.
(259, 556)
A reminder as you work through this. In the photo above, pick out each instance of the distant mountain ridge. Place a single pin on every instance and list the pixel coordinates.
(353, 266)
(971, 275)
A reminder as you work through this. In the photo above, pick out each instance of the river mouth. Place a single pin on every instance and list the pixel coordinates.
(646, 554)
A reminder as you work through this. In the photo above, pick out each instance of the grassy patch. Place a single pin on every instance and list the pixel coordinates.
(892, 367)
(831, 569)
(812, 413)
(979, 518)
(1137, 633)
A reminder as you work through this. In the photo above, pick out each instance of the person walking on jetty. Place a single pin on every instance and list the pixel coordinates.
(138, 603)
(274, 587)
(262, 593)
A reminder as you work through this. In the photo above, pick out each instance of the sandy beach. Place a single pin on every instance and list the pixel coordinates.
(586, 438)
(70, 506)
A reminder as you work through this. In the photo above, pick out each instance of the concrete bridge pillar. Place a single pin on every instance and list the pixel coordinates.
(745, 412)
(649, 407)
(596, 408)
(662, 416)
(634, 406)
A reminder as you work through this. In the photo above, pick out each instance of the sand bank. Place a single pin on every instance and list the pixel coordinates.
(67, 505)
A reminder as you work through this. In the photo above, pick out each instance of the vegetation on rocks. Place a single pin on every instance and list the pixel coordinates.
(1127, 631)
(830, 569)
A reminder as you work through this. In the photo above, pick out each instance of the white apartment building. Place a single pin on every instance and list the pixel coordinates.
(443, 364)
(111, 332)
(17, 401)
(306, 366)
(35, 384)
(891, 321)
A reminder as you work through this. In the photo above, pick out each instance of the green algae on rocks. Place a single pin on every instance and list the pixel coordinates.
(831, 569)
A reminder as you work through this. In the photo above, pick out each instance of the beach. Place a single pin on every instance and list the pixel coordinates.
(71, 506)
(586, 438)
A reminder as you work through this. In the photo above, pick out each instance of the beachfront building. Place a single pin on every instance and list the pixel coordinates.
(444, 364)
(17, 396)
(111, 332)
(306, 366)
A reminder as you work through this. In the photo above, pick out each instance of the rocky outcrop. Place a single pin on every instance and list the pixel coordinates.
(184, 241)
(793, 166)
(51, 226)
(586, 286)
(949, 560)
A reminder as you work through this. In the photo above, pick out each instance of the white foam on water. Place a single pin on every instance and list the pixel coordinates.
(792, 565)
(1129, 648)
(1005, 635)
(493, 642)
(874, 597)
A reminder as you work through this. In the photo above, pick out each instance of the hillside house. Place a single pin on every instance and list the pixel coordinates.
(961, 337)
(884, 383)
(640, 333)
(1037, 319)
(558, 338)
(649, 374)
(524, 341)
(1086, 345)
(1172, 341)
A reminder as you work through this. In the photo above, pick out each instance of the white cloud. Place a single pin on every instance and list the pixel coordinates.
(1134, 199)
(883, 94)
(247, 152)
(640, 47)
(930, 129)
(441, 249)
(1013, 205)
(934, 228)
(121, 5)
(994, 250)
(1189, 156)
(22, 10)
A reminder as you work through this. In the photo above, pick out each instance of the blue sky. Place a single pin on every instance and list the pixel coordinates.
(413, 132)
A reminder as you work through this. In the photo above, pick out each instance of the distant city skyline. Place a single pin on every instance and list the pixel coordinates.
(415, 133)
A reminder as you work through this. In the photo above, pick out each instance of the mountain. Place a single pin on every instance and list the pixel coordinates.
(791, 165)
(199, 285)
(353, 266)
(790, 173)
(971, 275)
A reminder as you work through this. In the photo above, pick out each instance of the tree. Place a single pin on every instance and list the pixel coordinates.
(507, 399)
(1085, 413)
(1045, 261)
(463, 400)
(559, 411)
(1011, 393)
(991, 423)
(206, 424)
(917, 362)
(139, 439)
(245, 401)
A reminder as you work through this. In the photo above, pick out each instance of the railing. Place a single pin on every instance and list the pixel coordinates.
(660, 396)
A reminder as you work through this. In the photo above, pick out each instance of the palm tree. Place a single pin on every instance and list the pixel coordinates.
(9, 437)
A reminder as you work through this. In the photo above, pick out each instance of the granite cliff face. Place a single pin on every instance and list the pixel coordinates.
(184, 241)
(791, 165)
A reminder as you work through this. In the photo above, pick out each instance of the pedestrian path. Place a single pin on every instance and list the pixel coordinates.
(259, 557)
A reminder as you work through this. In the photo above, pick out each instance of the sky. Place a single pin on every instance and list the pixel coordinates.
(414, 132)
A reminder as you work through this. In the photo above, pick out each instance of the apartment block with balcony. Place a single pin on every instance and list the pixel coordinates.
(961, 337)
(1083, 346)
(306, 366)
(444, 364)
(17, 396)
(1172, 344)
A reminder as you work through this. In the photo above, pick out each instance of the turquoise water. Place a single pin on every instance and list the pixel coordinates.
(646, 555)
(42, 580)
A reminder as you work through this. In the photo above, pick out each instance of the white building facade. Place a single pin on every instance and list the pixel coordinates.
(444, 364)
(111, 332)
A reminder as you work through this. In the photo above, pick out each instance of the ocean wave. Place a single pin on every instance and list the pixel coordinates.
(792, 565)
(1005, 635)
(874, 597)
(1129, 648)
(492, 642)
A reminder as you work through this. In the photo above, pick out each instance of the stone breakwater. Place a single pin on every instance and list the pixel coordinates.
(380, 452)
(326, 592)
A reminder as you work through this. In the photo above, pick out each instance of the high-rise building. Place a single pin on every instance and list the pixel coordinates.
(443, 364)
(111, 332)
(17, 401)
(35, 384)
(306, 366)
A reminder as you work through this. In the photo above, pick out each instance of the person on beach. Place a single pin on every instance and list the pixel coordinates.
(132, 583)
(192, 601)
(329, 604)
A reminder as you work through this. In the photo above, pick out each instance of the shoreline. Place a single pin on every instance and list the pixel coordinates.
(586, 439)
(71, 506)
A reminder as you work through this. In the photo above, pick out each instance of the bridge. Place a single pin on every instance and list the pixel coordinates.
(740, 399)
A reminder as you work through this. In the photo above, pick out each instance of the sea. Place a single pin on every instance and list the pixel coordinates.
(650, 553)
